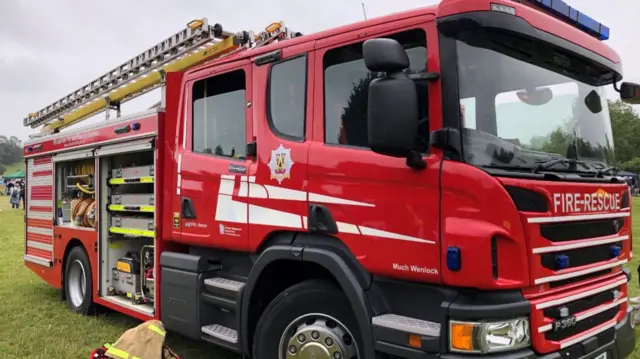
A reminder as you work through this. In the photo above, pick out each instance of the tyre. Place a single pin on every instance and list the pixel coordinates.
(78, 282)
(312, 319)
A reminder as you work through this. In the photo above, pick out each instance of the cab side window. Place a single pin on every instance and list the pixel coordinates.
(219, 117)
(346, 81)
(287, 98)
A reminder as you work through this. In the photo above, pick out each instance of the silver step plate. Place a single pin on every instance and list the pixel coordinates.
(222, 283)
(222, 333)
(408, 325)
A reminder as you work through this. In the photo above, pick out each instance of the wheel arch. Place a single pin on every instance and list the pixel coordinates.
(324, 257)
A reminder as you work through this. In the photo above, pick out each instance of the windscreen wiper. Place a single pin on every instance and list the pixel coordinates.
(608, 169)
(565, 161)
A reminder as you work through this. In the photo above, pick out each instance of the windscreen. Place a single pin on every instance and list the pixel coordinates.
(525, 103)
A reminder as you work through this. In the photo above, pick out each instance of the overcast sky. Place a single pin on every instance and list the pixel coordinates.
(50, 48)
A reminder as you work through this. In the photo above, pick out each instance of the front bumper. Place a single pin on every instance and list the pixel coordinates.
(617, 343)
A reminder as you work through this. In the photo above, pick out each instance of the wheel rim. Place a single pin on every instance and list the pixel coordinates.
(317, 336)
(77, 283)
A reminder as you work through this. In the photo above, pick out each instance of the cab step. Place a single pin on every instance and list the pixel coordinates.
(220, 332)
(219, 283)
(407, 325)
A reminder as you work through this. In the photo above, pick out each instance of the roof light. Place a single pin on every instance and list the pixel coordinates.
(574, 17)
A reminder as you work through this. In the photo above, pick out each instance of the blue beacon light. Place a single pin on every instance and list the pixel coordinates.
(575, 17)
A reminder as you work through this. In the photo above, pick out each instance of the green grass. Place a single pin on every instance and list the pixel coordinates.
(34, 323)
(14, 167)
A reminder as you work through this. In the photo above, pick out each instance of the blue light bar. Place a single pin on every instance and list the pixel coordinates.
(574, 17)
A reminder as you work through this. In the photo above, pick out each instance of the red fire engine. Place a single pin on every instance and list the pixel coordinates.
(424, 184)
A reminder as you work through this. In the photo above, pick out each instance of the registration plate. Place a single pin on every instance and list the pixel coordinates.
(565, 323)
(601, 356)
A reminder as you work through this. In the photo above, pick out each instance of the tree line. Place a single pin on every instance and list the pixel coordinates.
(10, 151)
(625, 121)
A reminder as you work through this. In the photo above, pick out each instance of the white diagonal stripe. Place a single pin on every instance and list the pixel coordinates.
(285, 193)
(257, 191)
(229, 210)
(390, 235)
(273, 217)
(320, 198)
(347, 228)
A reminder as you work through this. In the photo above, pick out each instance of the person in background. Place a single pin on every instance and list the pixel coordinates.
(14, 196)
(22, 189)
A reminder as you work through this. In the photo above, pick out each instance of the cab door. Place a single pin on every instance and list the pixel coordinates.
(278, 185)
(387, 213)
(212, 158)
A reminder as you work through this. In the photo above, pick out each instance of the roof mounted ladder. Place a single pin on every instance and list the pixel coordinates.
(197, 43)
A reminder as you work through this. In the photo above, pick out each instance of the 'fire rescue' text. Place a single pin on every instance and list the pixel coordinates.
(586, 202)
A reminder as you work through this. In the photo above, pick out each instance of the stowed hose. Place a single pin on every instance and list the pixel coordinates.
(83, 212)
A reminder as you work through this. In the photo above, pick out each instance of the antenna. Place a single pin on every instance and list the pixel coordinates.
(364, 11)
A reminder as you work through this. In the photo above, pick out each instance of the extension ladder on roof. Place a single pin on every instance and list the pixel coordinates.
(197, 43)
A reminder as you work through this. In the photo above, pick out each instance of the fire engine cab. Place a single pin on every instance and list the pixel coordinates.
(418, 185)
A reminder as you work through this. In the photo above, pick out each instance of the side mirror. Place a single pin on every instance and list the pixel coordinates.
(392, 110)
(630, 93)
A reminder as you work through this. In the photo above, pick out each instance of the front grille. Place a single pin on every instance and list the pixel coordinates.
(572, 231)
(580, 257)
(581, 305)
(564, 282)
(582, 308)
(583, 325)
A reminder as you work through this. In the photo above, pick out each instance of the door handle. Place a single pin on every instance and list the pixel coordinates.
(188, 210)
(320, 220)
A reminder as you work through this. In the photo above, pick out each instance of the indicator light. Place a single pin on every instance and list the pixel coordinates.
(135, 126)
(454, 260)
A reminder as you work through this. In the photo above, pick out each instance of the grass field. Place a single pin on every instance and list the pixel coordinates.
(13, 168)
(34, 323)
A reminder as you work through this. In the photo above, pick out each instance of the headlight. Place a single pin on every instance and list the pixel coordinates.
(489, 337)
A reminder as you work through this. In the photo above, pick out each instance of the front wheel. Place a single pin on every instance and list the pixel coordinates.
(312, 319)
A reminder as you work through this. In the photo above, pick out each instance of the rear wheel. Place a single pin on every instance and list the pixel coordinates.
(312, 319)
(78, 284)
